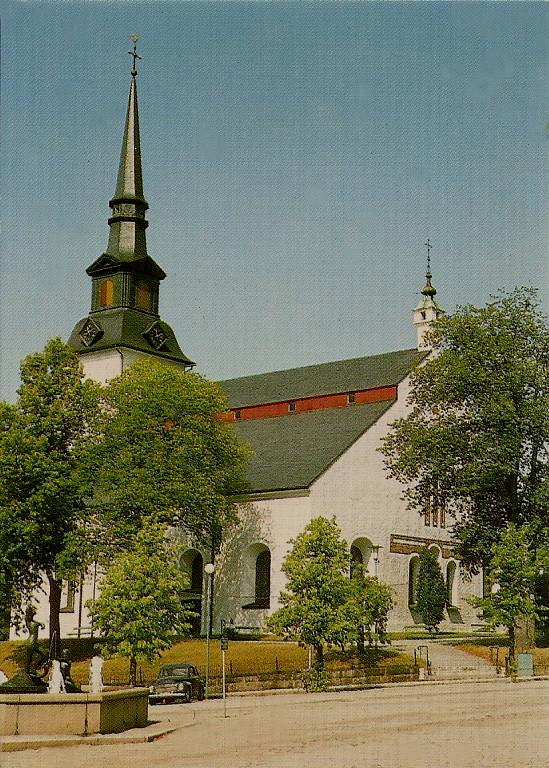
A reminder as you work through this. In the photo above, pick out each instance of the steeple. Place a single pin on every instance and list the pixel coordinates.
(128, 223)
(427, 311)
(125, 279)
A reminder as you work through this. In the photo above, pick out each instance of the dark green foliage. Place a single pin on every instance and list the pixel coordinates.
(140, 611)
(478, 433)
(164, 453)
(317, 588)
(42, 494)
(431, 590)
(515, 571)
(321, 604)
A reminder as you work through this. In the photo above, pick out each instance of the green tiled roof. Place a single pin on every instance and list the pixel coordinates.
(324, 379)
(291, 451)
(124, 327)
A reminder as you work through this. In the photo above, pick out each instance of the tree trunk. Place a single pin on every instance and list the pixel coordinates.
(55, 608)
(319, 660)
(512, 641)
(133, 671)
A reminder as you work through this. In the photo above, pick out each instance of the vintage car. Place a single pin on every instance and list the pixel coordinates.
(176, 682)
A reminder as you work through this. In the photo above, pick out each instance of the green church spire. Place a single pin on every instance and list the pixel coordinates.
(125, 279)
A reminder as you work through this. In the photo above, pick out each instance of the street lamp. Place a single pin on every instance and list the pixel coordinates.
(209, 569)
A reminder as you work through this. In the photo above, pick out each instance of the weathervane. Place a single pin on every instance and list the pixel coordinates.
(134, 39)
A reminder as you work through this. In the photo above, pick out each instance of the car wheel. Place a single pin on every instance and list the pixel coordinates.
(200, 696)
(188, 697)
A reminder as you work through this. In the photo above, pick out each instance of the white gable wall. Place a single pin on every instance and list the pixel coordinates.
(367, 504)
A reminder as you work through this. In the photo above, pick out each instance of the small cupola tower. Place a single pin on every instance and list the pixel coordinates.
(124, 321)
(427, 311)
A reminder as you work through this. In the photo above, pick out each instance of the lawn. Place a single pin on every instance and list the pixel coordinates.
(244, 657)
(499, 652)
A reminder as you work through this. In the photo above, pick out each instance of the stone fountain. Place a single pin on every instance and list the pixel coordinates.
(29, 705)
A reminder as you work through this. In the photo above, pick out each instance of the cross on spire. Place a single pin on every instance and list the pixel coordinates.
(429, 246)
(134, 39)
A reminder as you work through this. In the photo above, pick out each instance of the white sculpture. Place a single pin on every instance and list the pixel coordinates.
(56, 683)
(96, 673)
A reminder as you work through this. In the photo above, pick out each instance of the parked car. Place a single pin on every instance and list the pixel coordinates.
(176, 682)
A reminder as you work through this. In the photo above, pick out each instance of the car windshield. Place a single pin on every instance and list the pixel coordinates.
(176, 672)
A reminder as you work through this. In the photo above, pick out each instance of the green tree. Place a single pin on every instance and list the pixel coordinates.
(140, 611)
(42, 494)
(164, 452)
(368, 607)
(513, 574)
(476, 439)
(431, 590)
(313, 607)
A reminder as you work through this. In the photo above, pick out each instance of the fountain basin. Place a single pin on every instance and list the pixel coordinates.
(79, 714)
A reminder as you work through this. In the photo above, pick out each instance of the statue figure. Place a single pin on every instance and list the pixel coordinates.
(56, 682)
(34, 658)
(65, 668)
(96, 671)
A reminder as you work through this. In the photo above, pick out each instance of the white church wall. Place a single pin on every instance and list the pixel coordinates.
(368, 507)
(269, 523)
(104, 365)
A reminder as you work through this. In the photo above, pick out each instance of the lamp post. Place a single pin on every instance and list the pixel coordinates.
(209, 569)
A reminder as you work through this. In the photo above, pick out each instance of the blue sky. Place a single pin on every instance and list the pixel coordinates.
(296, 157)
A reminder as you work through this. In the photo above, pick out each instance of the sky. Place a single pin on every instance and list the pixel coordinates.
(296, 157)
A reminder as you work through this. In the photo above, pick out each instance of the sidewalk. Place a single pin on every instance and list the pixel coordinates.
(448, 662)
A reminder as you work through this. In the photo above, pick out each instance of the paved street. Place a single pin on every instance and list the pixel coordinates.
(468, 725)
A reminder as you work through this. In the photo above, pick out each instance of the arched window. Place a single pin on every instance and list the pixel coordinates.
(451, 584)
(192, 563)
(106, 293)
(256, 577)
(262, 596)
(197, 573)
(413, 571)
(357, 561)
(363, 552)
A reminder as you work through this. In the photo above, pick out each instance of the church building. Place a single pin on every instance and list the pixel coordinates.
(315, 432)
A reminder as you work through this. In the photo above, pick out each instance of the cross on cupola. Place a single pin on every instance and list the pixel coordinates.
(427, 311)
(134, 39)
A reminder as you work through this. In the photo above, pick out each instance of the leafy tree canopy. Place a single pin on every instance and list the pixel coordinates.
(368, 605)
(164, 453)
(477, 436)
(140, 611)
(313, 607)
(513, 576)
(41, 492)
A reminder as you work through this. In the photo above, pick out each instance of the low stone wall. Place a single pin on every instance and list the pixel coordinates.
(337, 678)
(78, 714)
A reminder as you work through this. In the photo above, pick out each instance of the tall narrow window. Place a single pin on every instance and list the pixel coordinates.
(357, 562)
(262, 597)
(106, 293)
(451, 584)
(197, 573)
(69, 592)
(413, 571)
(143, 295)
